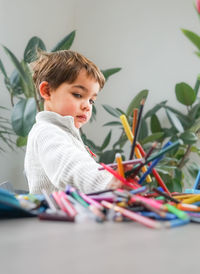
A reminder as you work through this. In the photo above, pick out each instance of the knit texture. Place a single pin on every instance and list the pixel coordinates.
(56, 157)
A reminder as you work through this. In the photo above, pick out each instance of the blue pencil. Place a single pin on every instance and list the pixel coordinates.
(197, 181)
(153, 164)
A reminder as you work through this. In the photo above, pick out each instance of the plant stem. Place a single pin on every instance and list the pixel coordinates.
(187, 153)
(11, 100)
(197, 85)
(36, 100)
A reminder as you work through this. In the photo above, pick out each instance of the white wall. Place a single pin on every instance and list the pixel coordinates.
(142, 37)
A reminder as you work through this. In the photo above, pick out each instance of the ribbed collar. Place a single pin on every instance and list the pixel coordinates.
(65, 122)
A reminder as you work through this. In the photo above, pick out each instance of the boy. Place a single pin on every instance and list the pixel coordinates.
(56, 156)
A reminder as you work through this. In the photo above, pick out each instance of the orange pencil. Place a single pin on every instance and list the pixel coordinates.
(120, 167)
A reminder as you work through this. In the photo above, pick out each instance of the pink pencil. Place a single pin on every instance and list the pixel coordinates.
(90, 201)
(133, 216)
(151, 202)
(67, 206)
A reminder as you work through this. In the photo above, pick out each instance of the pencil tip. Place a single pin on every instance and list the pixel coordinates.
(143, 101)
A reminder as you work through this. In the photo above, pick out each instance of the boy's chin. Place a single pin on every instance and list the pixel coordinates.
(78, 125)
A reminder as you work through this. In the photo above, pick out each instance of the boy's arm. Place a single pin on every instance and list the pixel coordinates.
(66, 161)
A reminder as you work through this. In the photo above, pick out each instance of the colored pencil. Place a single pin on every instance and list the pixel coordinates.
(49, 201)
(120, 167)
(164, 150)
(116, 175)
(132, 215)
(66, 203)
(127, 128)
(135, 115)
(90, 201)
(137, 128)
(179, 213)
(129, 135)
(195, 198)
(153, 164)
(124, 163)
(154, 171)
(164, 194)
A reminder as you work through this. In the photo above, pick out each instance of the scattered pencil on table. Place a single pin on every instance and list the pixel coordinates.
(151, 208)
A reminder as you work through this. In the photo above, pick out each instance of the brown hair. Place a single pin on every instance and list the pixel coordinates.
(63, 66)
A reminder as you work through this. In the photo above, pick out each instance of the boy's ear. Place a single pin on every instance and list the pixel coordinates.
(45, 90)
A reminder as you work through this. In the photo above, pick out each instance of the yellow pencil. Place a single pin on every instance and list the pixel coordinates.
(191, 200)
(120, 167)
(130, 137)
(127, 128)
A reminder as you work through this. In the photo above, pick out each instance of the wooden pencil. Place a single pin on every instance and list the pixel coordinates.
(137, 128)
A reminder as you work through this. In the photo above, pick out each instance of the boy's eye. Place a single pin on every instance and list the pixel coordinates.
(77, 95)
(92, 102)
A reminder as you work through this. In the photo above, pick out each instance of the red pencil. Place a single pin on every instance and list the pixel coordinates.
(116, 174)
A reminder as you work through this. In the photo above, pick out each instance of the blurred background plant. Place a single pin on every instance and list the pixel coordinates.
(25, 100)
(6, 132)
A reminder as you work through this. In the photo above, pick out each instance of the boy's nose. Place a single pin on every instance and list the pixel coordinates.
(85, 105)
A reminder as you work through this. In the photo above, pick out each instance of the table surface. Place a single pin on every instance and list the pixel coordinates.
(33, 246)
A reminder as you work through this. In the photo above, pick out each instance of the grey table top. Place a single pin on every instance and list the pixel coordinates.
(34, 246)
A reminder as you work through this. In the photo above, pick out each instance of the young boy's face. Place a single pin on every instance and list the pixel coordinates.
(75, 99)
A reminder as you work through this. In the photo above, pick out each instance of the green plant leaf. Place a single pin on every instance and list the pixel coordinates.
(16, 83)
(195, 128)
(65, 43)
(185, 94)
(108, 72)
(197, 85)
(23, 116)
(188, 137)
(21, 141)
(135, 103)
(16, 63)
(108, 156)
(155, 109)
(174, 121)
(30, 53)
(155, 124)
(91, 145)
(114, 123)
(121, 111)
(31, 87)
(112, 111)
(94, 112)
(193, 169)
(143, 131)
(152, 138)
(193, 113)
(193, 37)
(121, 141)
(2, 68)
(106, 141)
(178, 175)
(19, 67)
(184, 119)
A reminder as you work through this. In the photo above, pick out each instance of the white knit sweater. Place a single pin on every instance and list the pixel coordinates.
(56, 156)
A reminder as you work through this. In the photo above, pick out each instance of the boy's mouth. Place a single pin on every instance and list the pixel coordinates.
(82, 117)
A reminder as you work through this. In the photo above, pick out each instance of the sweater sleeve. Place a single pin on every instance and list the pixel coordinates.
(66, 161)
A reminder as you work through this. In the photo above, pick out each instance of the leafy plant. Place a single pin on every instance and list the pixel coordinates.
(25, 100)
(6, 132)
